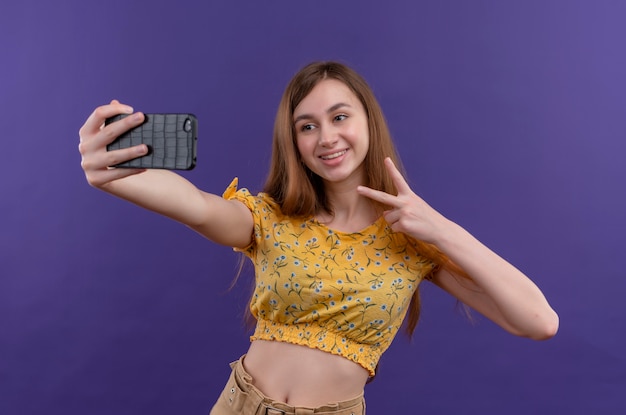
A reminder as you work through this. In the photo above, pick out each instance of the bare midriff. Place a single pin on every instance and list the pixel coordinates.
(302, 376)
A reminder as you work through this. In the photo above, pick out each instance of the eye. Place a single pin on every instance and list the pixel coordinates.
(307, 127)
(340, 117)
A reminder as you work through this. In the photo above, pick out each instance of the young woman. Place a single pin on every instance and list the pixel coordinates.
(339, 241)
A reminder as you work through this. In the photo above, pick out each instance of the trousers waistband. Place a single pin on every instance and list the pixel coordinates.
(253, 401)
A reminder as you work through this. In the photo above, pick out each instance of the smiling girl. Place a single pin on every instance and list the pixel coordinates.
(339, 241)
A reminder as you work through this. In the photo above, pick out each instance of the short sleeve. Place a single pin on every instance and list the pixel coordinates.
(425, 252)
(243, 196)
(434, 269)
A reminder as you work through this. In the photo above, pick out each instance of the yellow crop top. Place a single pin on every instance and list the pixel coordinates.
(343, 293)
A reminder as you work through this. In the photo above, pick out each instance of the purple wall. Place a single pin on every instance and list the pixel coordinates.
(510, 117)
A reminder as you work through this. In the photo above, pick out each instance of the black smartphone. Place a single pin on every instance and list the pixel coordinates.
(171, 141)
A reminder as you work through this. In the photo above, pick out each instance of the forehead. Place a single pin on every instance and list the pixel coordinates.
(324, 95)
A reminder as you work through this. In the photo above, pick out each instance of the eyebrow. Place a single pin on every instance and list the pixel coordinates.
(328, 111)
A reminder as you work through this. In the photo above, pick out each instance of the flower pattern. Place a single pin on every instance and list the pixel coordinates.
(344, 293)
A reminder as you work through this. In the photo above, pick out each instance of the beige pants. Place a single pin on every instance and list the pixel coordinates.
(240, 397)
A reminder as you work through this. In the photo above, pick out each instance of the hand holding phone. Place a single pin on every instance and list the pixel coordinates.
(171, 140)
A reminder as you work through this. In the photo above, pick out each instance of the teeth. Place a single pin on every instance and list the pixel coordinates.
(334, 155)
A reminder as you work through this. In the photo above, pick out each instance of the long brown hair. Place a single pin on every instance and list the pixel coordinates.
(297, 190)
(300, 192)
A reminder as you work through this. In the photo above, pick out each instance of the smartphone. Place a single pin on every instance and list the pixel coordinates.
(171, 141)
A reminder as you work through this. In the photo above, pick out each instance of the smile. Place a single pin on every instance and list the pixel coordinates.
(334, 155)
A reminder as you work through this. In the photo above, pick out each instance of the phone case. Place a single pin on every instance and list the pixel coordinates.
(171, 140)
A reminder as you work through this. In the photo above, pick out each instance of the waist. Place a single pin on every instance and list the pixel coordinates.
(302, 376)
(315, 336)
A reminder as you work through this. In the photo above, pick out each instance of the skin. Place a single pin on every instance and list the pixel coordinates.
(330, 120)
(499, 291)
(331, 133)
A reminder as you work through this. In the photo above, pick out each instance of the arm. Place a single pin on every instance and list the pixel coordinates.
(497, 289)
(164, 192)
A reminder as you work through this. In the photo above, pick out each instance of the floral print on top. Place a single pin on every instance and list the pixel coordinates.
(343, 293)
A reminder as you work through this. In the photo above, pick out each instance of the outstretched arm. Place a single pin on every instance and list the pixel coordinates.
(165, 192)
(497, 289)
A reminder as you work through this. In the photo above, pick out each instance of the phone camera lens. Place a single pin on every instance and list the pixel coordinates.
(187, 125)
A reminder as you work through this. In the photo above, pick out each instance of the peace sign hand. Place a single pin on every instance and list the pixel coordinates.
(409, 213)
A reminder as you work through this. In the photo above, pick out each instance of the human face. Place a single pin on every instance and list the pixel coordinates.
(332, 132)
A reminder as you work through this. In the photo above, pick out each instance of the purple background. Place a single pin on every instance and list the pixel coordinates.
(510, 118)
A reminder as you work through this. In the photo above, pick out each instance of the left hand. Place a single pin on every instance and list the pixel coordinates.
(409, 213)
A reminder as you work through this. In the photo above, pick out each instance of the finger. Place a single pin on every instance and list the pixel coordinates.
(115, 157)
(397, 177)
(97, 161)
(110, 132)
(377, 195)
(96, 119)
(392, 216)
(95, 142)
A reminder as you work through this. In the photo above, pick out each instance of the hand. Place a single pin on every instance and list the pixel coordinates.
(94, 137)
(409, 213)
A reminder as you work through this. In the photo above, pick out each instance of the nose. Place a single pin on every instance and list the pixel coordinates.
(328, 136)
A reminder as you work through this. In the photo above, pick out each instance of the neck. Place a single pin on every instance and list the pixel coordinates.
(351, 211)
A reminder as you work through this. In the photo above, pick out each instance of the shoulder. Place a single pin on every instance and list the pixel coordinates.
(259, 203)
